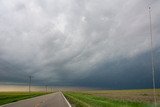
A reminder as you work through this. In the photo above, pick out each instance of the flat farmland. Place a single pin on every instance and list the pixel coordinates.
(113, 98)
(144, 96)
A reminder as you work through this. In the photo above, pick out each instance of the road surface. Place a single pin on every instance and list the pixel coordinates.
(51, 100)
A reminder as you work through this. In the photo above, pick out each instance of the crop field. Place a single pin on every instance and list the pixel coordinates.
(9, 97)
(112, 98)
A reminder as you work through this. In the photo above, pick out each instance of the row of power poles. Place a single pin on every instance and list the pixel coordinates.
(46, 86)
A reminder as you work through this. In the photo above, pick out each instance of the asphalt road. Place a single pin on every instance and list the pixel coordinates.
(51, 100)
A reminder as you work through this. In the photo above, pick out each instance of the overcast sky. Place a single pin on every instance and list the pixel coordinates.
(94, 43)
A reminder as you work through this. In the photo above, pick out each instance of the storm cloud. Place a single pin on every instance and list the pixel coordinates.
(78, 42)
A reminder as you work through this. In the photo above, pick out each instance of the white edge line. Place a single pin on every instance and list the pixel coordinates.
(69, 105)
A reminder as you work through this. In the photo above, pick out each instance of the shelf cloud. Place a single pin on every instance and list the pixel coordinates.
(66, 43)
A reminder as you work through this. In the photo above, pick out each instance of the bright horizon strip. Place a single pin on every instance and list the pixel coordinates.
(8, 88)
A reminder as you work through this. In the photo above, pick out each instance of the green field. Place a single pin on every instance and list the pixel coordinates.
(92, 99)
(9, 97)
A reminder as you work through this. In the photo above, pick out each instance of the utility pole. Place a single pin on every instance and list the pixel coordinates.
(46, 88)
(152, 57)
(51, 89)
(30, 80)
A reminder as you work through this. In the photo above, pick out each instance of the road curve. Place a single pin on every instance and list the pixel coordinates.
(51, 100)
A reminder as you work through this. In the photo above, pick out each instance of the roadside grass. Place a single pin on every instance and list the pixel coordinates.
(79, 99)
(9, 97)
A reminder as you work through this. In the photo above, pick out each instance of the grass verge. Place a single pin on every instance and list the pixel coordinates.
(9, 97)
(79, 99)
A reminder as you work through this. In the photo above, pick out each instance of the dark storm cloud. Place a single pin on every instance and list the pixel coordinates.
(123, 74)
(63, 42)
